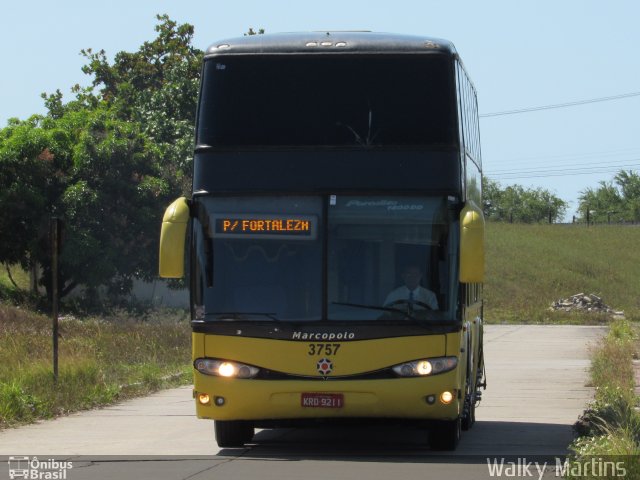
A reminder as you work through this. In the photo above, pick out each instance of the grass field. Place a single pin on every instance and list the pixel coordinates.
(100, 361)
(530, 266)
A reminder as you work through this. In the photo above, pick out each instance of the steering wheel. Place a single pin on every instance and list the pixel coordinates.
(407, 302)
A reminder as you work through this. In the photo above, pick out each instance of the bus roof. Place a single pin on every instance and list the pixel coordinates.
(330, 42)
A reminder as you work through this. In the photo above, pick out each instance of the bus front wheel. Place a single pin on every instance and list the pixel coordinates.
(469, 414)
(233, 433)
(445, 434)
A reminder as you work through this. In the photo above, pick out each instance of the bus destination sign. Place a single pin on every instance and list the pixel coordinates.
(301, 227)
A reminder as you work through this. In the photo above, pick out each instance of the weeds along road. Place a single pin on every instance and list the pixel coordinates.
(536, 390)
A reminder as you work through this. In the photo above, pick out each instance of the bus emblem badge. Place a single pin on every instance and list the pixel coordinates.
(325, 366)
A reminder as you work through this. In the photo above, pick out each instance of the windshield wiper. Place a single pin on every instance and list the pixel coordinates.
(241, 315)
(376, 307)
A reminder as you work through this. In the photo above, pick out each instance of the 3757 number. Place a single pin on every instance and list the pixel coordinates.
(323, 348)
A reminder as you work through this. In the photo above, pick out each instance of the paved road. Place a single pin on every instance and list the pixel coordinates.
(536, 377)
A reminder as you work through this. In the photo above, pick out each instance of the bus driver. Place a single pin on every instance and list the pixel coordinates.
(412, 293)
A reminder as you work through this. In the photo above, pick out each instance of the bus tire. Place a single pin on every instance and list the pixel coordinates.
(445, 434)
(469, 418)
(233, 433)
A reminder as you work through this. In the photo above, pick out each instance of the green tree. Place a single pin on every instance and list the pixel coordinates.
(157, 88)
(617, 201)
(600, 204)
(629, 183)
(100, 174)
(30, 162)
(517, 204)
(108, 162)
(112, 204)
(491, 197)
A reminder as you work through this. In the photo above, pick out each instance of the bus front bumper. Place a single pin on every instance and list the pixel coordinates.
(417, 398)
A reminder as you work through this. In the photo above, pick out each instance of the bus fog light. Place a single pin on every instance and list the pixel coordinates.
(204, 398)
(219, 401)
(431, 399)
(446, 397)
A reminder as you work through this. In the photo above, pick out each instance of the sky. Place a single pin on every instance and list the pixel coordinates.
(520, 54)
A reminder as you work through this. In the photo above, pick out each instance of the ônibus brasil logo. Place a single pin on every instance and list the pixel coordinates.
(34, 469)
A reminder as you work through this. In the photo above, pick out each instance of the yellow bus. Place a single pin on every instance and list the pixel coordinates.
(335, 235)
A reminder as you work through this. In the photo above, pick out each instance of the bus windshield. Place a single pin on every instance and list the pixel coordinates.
(327, 100)
(336, 257)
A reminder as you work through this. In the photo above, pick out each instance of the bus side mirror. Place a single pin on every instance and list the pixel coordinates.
(172, 239)
(471, 244)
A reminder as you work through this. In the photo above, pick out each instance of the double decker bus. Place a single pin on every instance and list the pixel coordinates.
(335, 235)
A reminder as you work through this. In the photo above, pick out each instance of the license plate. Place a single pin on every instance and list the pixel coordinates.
(322, 400)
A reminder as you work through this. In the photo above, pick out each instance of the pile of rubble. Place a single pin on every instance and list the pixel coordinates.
(584, 303)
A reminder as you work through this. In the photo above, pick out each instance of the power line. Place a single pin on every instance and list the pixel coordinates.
(544, 168)
(566, 173)
(560, 105)
(584, 168)
(520, 167)
(561, 173)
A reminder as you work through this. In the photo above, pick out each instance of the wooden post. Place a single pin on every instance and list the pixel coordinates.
(54, 230)
(588, 214)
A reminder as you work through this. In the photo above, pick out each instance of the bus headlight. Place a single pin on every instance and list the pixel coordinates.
(225, 368)
(427, 366)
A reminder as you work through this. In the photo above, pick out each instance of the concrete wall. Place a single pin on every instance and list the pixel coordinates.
(159, 295)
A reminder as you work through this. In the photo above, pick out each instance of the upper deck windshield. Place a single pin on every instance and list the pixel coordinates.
(337, 258)
(327, 100)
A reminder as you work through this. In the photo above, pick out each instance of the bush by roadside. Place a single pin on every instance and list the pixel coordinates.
(609, 430)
